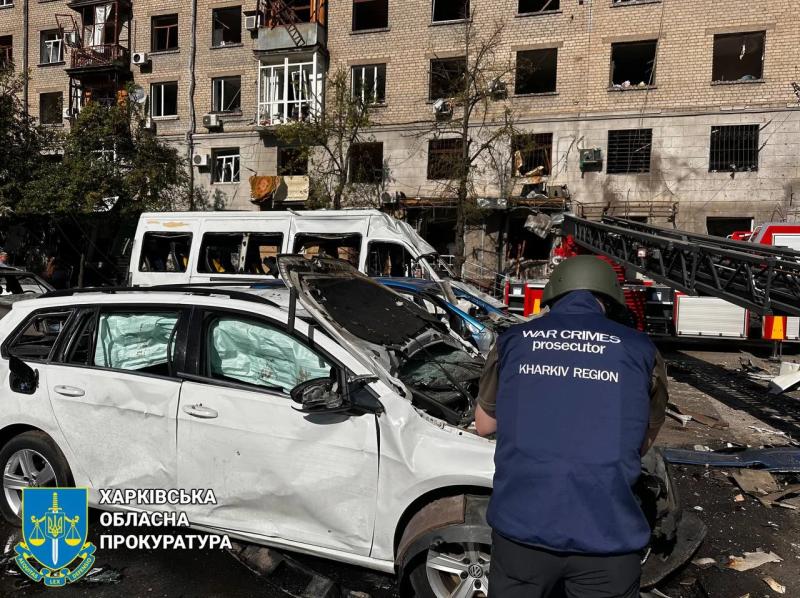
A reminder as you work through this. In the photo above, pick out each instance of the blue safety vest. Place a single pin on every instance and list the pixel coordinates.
(572, 414)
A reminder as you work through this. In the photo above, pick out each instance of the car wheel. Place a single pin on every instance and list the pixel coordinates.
(452, 571)
(30, 460)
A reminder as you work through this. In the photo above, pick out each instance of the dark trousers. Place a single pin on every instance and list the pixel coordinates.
(520, 571)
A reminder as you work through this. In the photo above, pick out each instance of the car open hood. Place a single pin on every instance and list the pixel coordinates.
(408, 347)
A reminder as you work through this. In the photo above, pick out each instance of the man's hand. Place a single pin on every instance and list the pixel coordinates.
(485, 424)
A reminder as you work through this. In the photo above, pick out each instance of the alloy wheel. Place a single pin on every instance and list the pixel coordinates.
(458, 571)
(26, 468)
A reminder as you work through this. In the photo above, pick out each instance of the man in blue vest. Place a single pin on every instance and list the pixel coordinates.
(575, 399)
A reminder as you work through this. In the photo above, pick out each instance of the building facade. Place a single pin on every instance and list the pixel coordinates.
(672, 111)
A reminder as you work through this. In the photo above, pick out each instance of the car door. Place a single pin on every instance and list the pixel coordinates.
(115, 394)
(274, 471)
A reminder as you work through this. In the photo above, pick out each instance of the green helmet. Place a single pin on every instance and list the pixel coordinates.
(583, 273)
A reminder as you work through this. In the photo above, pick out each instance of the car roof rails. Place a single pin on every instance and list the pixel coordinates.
(203, 289)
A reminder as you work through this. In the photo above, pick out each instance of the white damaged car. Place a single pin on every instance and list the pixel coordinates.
(339, 427)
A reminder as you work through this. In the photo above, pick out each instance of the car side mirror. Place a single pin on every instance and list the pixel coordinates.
(23, 378)
(318, 395)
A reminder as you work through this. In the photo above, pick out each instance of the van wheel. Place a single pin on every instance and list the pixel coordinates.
(30, 460)
(452, 571)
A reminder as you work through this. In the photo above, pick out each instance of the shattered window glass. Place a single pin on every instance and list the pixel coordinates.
(252, 352)
(165, 252)
(38, 337)
(136, 341)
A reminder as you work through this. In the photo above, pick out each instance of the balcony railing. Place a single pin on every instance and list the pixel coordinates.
(104, 55)
(288, 92)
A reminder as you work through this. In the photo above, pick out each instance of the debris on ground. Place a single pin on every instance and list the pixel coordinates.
(683, 419)
(774, 585)
(684, 415)
(755, 368)
(751, 560)
(755, 481)
(100, 575)
(784, 383)
(774, 498)
(783, 459)
(704, 563)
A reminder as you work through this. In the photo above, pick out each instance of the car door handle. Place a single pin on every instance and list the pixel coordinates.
(200, 411)
(69, 391)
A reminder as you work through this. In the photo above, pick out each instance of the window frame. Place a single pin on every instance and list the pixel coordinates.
(377, 68)
(432, 76)
(362, 29)
(225, 154)
(540, 11)
(214, 19)
(546, 53)
(59, 116)
(222, 85)
(92, 312)
(243, 245)
(202, 317)
(756, 147)
(631, 133)
(7, 51)
(530, 143)
(46, 47)
(718, 36)
(467, 17)
(162, 85)
(633, 85)
(431, 142)
(154, 28)
(284, 166)
(26, 321)
(354, 155)
(157, 233)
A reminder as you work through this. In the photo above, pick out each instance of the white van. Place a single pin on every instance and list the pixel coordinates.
(201, 247)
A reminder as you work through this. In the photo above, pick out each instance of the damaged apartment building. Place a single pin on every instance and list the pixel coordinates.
(678, 113)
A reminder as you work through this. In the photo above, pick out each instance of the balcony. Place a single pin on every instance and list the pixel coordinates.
(289, 91)
(103, 56)
(290, 36)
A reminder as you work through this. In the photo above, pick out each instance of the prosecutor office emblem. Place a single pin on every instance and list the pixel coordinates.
(54, 530)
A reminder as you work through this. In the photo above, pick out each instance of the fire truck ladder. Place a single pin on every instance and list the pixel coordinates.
(761, 278)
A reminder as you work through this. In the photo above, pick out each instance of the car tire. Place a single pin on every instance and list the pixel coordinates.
(34, 460)
(442, 570)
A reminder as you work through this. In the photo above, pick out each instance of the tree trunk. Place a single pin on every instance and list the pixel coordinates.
(460, 228)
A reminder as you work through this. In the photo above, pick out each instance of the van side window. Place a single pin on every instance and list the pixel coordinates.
(38, 336)
(388, 259)
(344, 247)
(165, 252)
(240, 253)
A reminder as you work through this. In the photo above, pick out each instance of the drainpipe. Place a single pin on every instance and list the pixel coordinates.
(25, 24)
(192, 115)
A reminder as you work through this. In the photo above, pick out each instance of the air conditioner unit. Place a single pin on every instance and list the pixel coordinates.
(71, 38)
(211, 121)
(140, 58)
(443, 108)
(200, 160)
(149, 124)
(67, 114)
(252, 22)
(498, 89)
(590, 158)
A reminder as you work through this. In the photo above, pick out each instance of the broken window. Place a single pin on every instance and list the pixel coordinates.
(292, 161)
(450, 10)
(369, 83)
(531, 6)
(165, 252)
(445, 158)
(240, 253)
(532, 154)
(366, 163)
(51, 108)
(227, 26)
(100, 24)
(248, 351)
(725, 226)
(164, 99)
(281, 101)
(629, 151)
(388, 259)
(51, 49)
(6, 50)
(164, 34)
(226, 94)
(536, 71)
(447, 77)
(370, 14)
(226, 166)
(734, 148)
(633, 64)
(36, 339)
(344, 247)
(302, 9)
(738, 56)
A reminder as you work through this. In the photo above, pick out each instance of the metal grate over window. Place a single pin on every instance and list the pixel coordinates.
(629, 151)
(734, 148)
(445, 158)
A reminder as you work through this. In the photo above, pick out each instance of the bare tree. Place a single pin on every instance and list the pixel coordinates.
(328, 138)
(476, 115)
